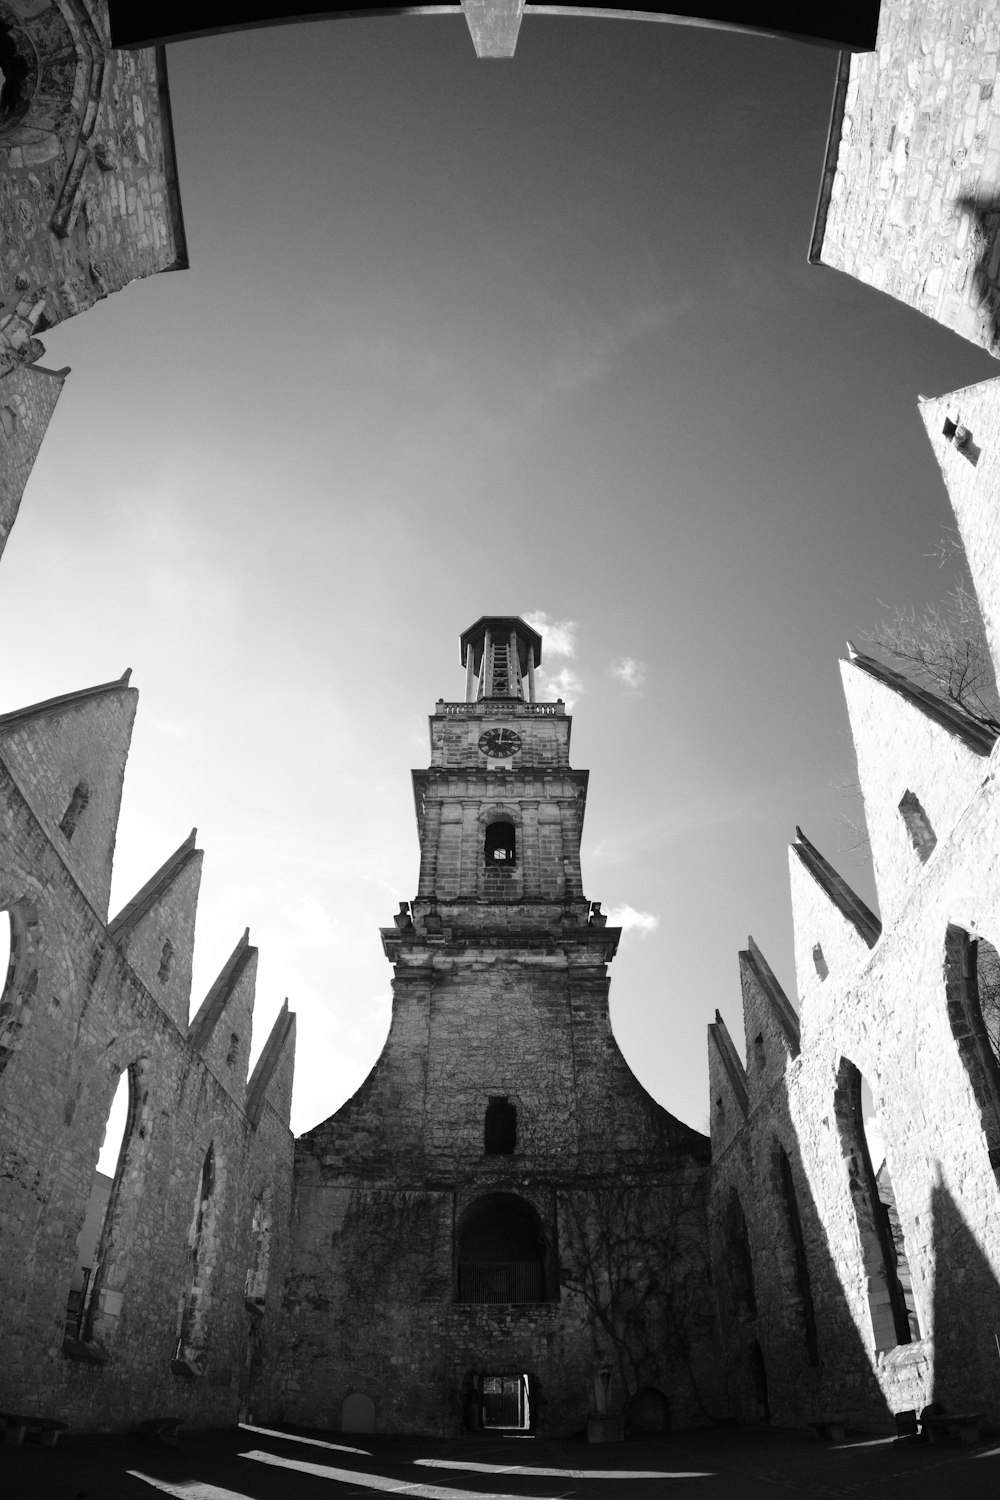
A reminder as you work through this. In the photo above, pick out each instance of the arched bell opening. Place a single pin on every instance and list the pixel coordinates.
(500, 845)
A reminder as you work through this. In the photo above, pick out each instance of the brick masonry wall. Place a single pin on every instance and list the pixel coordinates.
(910, 202)
(74, 1015)
(88, 194)
(28, 395)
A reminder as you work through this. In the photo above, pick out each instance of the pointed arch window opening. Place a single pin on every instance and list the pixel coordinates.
(166, 961)
(891, 1303)
(192, 1337)
(75, 809)
(740, 1260)
(20, 944)
(96, 1294)
(259, 1264)
(795, 1267)
(918, 826)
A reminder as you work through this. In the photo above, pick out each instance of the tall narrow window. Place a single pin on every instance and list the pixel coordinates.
(260, 1248)
(19, 954)
(918, 826)
(500, 843)
(972, 991)
(95, 1293)
(193, 1331)
(75, 810)
(792, 1262)
(890, 1293)
(166, 961)
(501, 1127)
(739, 1260)
(819, 962)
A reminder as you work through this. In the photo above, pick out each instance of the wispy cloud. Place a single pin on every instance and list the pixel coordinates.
(629, 671)
(630, 920)
(558, 636)
(565, 684)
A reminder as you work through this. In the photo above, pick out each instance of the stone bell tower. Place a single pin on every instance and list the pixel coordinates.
(457, 1216)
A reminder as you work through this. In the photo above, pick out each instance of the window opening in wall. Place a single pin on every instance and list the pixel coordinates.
(260, 1248)
(972, 992)
(501, 1127)
(759, 1055)
(193, 1332)
(88, 1292)
(740, 1260)
(19, 947)
(6, 957)
(166, 961)
(961, 439)
(918, 826)
(890, 1288)
(75, 810)
(819, 962)
(500, 843)
(792, 1260)
(234, 1048)
(501, 1252)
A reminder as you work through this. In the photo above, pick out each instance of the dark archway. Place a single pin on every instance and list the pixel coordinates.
(501, 1252)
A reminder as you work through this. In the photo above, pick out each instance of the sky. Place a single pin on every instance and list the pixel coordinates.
(466, 337)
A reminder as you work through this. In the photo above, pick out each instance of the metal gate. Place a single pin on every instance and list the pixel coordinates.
(504, 1401)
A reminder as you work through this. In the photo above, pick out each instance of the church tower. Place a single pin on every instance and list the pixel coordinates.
(456, 1219)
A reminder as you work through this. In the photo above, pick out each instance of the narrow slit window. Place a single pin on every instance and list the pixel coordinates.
(501, 847)
(501, 1127)
(819, 962)
(166, 961)
(74, 812)
(918, 826)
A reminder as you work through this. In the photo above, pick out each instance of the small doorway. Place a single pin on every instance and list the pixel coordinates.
(504, 1403)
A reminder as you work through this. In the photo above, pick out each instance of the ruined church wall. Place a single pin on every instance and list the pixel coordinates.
(898, 1011)
(383, 1187)
(373, 1308)
(74, 1016)
(28, 395)
(89, 198)
(910, 200)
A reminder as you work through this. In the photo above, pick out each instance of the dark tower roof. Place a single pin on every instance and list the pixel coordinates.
(500, 626)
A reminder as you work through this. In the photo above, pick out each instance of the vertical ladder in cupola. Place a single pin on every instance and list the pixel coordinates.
(500, 676)
(500, 653)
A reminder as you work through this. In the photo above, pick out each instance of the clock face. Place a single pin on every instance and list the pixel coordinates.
(499, 744)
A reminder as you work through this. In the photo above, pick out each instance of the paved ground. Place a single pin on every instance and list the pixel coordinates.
(254, 1464)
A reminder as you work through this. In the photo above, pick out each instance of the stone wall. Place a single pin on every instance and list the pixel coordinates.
(910, 198)
(84, 1002)
(426, 1254)
(819, 1318)
(28, 395)
(88, 196)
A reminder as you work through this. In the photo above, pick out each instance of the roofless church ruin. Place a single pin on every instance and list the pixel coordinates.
(501, 1229)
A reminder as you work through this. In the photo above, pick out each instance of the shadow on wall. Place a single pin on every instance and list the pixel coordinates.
(966, 1313)
(984, 242)
(793, 1350)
